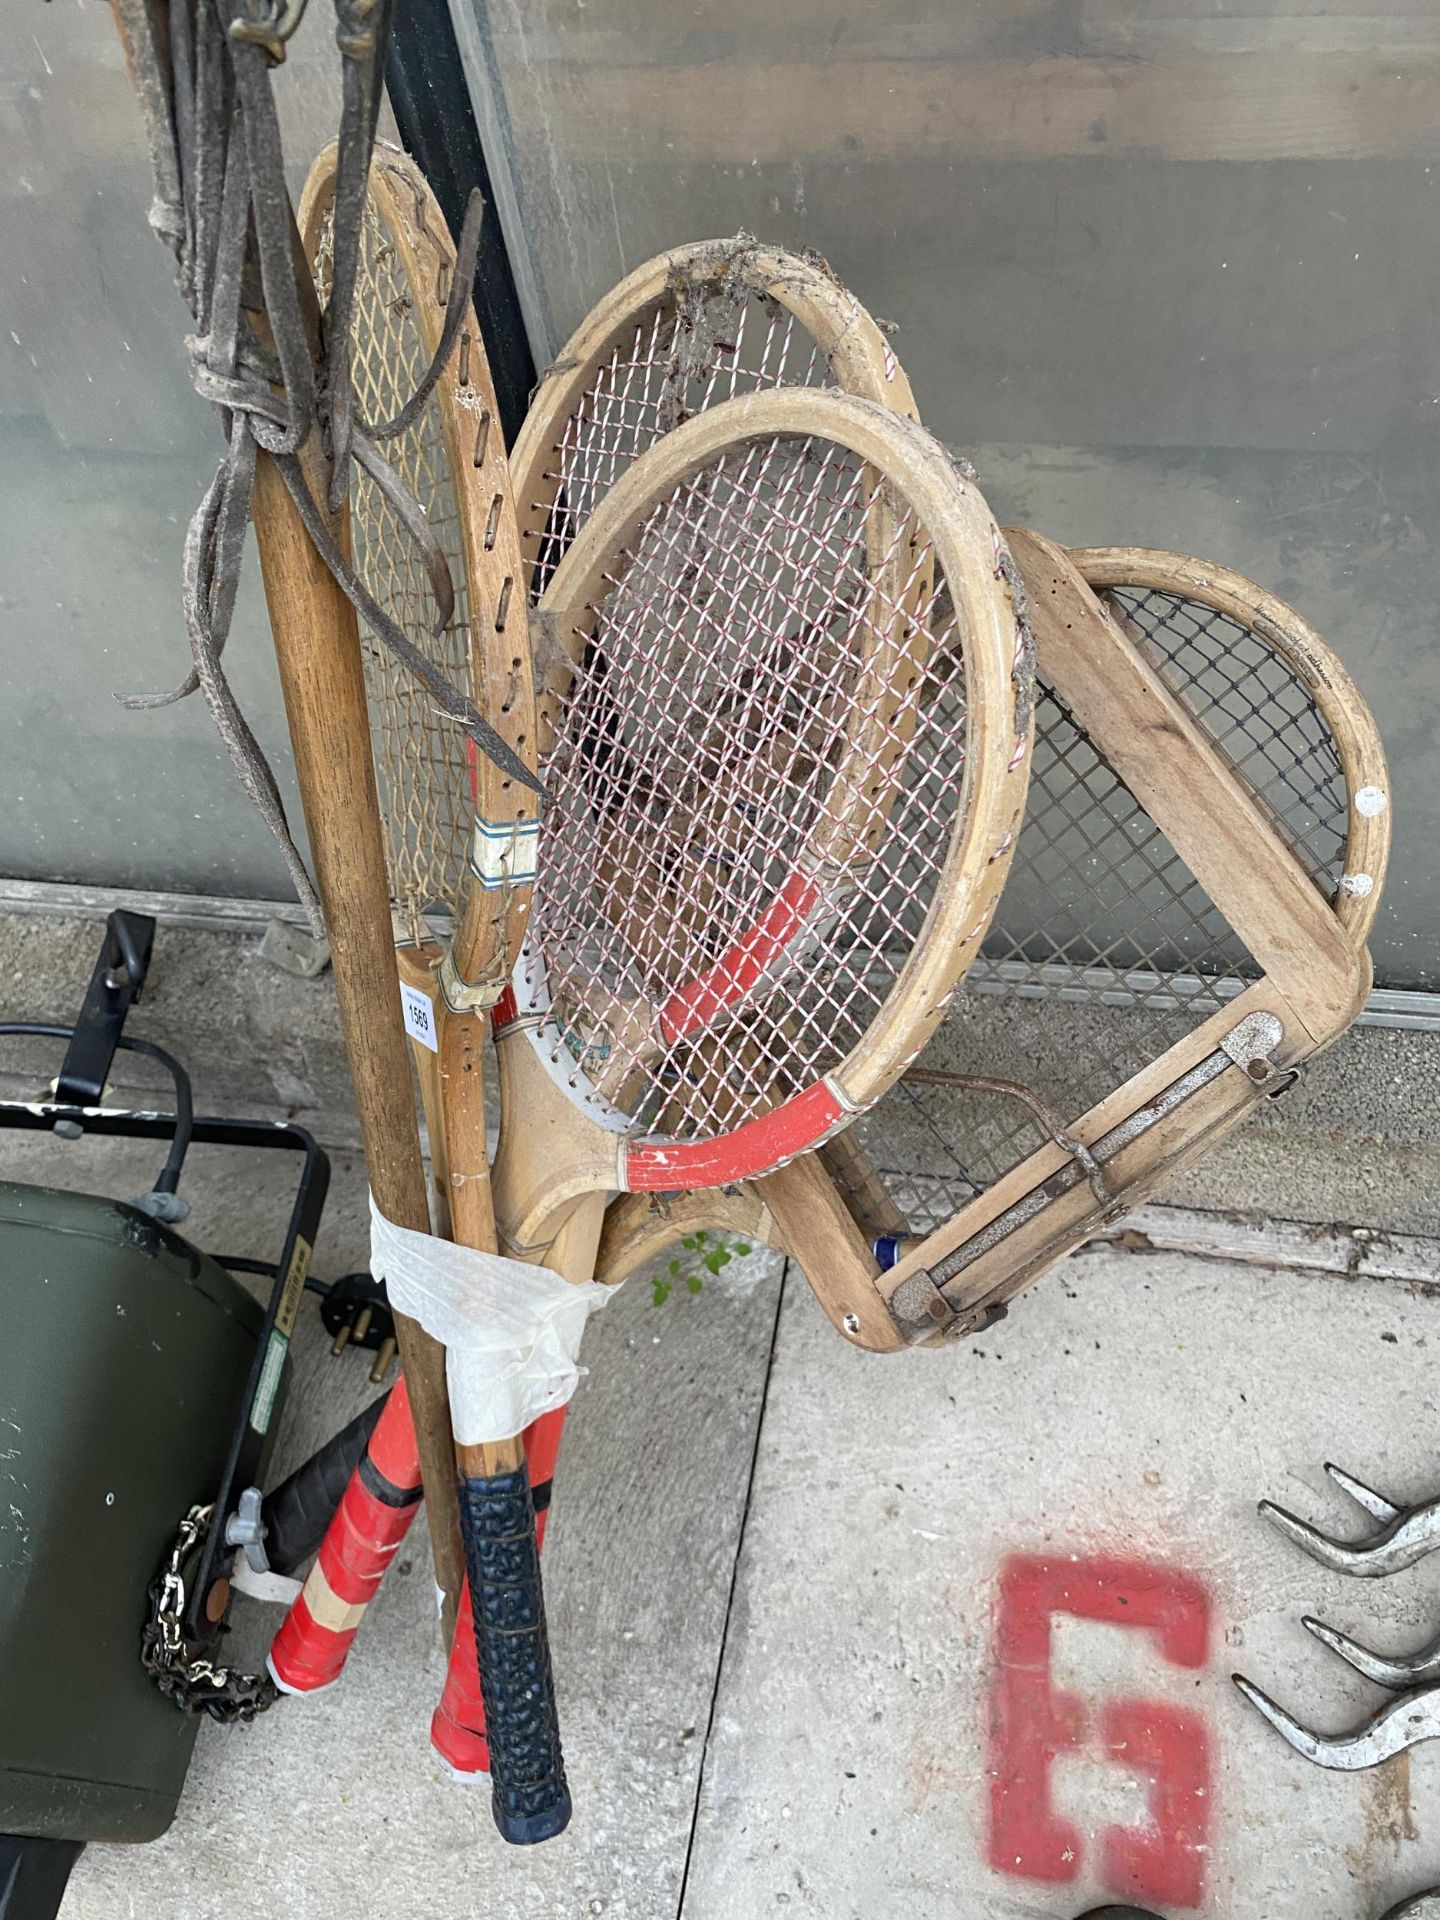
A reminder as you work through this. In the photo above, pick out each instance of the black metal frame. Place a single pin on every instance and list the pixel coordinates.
(97, 1033)
(425, 78)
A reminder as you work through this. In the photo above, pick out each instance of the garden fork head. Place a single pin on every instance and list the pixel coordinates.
(1404, 1535)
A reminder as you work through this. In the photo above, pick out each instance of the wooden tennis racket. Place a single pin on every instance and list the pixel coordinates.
(780, 812)
(693, 326)
(1202, 858)
(460, 836)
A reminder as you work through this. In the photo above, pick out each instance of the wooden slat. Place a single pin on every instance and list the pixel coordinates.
(317, 649)
(815, 1223)
(1209, 816)
(1280, 104)
(1125, 1100)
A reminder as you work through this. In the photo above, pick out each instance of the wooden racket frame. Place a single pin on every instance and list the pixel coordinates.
(860, 358)
(1317, 971)
(463, 981)
(580, 1156)
(488, 933)
(860, 361)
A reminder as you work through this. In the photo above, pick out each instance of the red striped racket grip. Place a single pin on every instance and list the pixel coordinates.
(373, 1517)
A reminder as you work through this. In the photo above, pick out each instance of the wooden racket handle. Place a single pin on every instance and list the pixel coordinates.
(317, 648)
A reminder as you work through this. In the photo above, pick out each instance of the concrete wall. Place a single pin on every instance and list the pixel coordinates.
(104, 453)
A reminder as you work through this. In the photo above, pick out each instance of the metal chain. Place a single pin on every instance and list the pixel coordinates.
(196, 1685)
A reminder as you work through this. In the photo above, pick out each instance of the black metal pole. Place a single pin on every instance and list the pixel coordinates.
(433, 111)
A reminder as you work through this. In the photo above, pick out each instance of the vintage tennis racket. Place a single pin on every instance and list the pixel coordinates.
(460, 836)
(1201, 862)
(781, 808)
(694, 326)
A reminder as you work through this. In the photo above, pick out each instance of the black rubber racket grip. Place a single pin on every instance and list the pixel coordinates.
(529, 1794)
(299, 1510)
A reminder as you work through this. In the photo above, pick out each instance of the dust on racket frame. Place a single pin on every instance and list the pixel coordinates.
(578, 1145)
(1231, 746)
(460, 840)
(693, 326)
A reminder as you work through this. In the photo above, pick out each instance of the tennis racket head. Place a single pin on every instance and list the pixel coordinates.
(782, 802)
(694, 326)
(1113, 979)
(459, 831)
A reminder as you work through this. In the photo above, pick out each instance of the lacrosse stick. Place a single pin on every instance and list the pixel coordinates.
(460, 840)
(780, 815)
(1201, 863)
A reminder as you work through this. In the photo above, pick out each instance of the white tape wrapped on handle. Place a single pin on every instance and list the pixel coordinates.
(511, 1332)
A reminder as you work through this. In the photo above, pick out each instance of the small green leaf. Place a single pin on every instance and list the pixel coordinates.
(660, 1292)
(742, 1246)
(695, 1283)
(713, 1262)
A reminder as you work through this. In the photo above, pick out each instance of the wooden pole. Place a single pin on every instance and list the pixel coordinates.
(317, 646)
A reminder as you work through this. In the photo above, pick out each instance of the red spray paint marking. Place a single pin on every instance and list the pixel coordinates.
(1032, 1724)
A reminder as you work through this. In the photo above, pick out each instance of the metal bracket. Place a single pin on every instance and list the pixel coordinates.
(920, 1309)
(460, 996)
(246, 1530)
(1248, 1046)
(114, 988)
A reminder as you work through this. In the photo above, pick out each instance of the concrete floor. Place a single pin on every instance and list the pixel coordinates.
(794, 1597)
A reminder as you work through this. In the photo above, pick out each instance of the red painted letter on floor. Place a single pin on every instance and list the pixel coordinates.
(1032, 1724)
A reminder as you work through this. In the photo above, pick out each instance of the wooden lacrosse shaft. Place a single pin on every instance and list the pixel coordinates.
(317, 648)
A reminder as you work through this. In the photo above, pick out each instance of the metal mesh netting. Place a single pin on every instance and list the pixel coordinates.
(1106, 950)
(1260, 716)
(755, 780)
(715, 340)
(422, 759)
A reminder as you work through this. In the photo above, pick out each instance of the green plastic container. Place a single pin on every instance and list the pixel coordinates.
(123, 1360)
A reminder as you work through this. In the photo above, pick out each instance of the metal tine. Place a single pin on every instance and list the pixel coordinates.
(1363, 1496)
(1419, 1906)
(1398, 1725)
(1397, 1671)
(1405, 1534)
